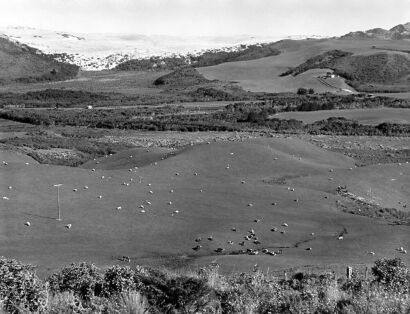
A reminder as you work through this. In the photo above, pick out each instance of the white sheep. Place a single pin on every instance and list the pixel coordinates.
(27, 223)
(68, 226)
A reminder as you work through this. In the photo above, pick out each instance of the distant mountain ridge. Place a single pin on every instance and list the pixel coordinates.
(398, 32)
(106, 51)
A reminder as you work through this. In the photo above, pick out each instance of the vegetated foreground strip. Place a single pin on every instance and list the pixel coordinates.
(122, 289)
(207, 191)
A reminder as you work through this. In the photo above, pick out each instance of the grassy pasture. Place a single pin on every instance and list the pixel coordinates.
(160, 236)
(363, 116)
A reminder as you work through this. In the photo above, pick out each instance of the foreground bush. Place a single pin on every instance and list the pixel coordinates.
(20, 288)
(84, 288)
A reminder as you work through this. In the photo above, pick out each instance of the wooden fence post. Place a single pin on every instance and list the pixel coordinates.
(349, 271)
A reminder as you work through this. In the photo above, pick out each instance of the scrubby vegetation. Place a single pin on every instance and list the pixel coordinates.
(85, 288)
(233, 117)
(80, 147)
(207, 58)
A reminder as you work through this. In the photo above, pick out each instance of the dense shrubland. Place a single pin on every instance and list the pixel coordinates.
(85, 288)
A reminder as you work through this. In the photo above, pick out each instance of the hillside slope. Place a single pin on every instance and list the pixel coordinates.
(206, 58)
(22, 63)
(365, 72)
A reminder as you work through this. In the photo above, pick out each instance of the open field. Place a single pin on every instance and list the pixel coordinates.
(363, 116)
(263, 74)
(208, 193)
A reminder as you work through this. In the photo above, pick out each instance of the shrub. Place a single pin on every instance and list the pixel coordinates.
(181, 294)
(84, 279)
(118, 279)
(392, 273)
(20, 289)
(302, 91)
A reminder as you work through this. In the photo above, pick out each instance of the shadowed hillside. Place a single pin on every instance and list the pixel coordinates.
(24, 64)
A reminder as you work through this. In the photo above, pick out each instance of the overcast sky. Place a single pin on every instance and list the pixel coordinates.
(206, 17)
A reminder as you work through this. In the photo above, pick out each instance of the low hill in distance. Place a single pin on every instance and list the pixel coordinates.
(21, 63)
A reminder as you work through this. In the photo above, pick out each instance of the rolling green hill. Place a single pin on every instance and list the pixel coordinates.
(203, 191)
(21, 63)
